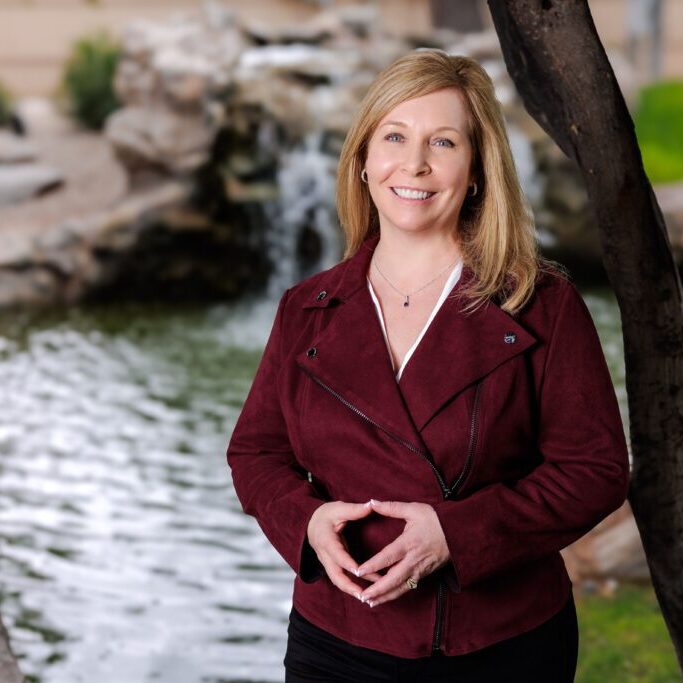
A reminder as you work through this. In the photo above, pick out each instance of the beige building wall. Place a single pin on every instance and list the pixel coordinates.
(35, 35)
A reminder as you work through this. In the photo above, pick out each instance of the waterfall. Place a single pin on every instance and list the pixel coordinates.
(306, 179)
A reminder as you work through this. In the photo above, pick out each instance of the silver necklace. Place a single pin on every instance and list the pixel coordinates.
(407, 296)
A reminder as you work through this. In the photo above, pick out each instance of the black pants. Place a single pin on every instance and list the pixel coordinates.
(546, 654)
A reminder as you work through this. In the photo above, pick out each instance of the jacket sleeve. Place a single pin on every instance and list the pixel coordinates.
(584, 475)
(269, 482)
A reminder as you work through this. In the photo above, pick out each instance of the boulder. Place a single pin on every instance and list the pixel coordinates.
(611, 551)
(670, 198)
(22, 181)
(157, 136)
(16, 149)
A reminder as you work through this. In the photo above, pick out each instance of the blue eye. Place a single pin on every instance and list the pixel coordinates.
(439, 142)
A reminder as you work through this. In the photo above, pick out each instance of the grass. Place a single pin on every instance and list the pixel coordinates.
(624, 639)
(659, 127)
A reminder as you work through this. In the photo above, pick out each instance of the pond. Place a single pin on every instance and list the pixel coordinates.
(125, 555)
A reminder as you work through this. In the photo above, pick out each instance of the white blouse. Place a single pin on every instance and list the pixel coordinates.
(450, 283)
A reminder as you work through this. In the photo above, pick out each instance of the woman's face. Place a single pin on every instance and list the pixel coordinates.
(418, 163)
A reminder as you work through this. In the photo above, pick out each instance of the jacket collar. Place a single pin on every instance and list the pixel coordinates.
(344, 280)
(352, 360)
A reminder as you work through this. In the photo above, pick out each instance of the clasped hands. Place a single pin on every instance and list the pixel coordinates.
(418, 551)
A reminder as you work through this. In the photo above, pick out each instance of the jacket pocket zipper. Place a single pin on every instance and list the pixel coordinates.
(445, 490)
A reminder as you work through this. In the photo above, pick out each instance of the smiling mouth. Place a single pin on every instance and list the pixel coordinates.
(404, 193)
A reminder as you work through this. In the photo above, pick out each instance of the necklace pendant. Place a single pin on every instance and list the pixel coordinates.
(407, 301)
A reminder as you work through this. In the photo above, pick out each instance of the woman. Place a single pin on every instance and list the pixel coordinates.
(433, 418)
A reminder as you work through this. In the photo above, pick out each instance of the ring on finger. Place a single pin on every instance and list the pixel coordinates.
(411, 582)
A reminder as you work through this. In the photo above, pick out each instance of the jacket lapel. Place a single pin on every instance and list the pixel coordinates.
(457, 350)
(350, 358)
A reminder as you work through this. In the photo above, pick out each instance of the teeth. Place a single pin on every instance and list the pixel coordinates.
(411, 194)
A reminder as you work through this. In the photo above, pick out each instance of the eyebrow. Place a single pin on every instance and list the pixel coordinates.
(403, 125)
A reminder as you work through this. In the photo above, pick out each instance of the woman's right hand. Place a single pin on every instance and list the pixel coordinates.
(325, 537)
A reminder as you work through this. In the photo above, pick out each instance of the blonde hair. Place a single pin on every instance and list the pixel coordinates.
(496, 228)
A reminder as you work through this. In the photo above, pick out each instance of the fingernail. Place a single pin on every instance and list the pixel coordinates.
(368, 503)
(371, 603)
(355, 571)
(359, 596)
(373, 501)
(360, 572)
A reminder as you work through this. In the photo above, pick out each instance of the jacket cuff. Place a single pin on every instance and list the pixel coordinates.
(310, 568)
(449, 572)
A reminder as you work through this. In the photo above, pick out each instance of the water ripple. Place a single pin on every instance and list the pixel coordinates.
(125, 554)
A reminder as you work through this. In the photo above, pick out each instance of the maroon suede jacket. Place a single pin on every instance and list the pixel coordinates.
(508, 426)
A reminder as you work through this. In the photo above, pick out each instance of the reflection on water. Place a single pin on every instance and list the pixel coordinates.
(125, 554)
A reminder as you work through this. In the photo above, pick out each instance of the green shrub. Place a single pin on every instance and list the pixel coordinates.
(5, 105)
(87, 82)
(659, 127)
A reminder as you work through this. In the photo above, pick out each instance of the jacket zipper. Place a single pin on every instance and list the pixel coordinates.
(436, 642)
(471, 445)
(403, 442)
(445, 490)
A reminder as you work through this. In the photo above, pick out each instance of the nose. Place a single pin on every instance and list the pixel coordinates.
(415, 161)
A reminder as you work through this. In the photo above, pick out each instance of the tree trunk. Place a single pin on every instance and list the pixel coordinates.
(556, 59)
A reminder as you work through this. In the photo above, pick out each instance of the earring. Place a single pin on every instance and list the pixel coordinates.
(364, 176)
(474, 192)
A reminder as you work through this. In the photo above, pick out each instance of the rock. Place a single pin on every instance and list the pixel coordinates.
(181, 60)
(341, 24)
(33, 285)
(40, 116)
(612, 550)
(22, 181)
(155, 136)
(670, 199)
(562, 211)
(16, 149)
(360, 20)
(240, 192)
(152, 244)
(253, 118)
(311, 64)
(308, 33)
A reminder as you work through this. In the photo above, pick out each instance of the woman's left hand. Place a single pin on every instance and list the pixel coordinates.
(417, 552)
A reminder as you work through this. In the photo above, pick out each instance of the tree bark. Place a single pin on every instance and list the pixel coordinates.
(555, 57)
